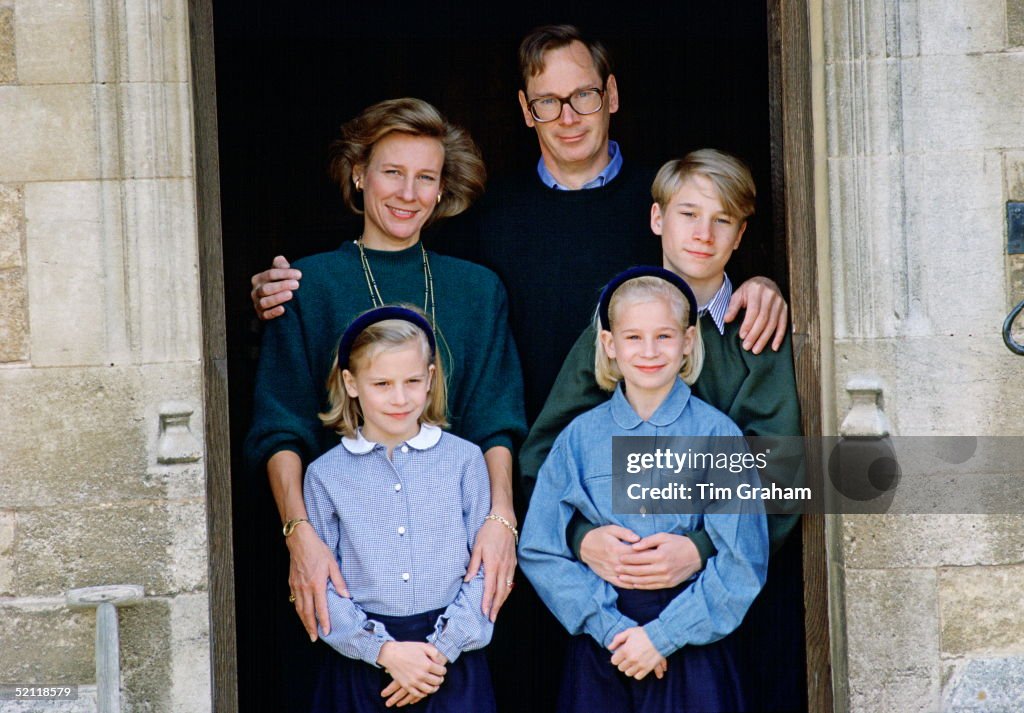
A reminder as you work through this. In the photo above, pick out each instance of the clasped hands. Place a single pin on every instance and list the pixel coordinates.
(621, 557)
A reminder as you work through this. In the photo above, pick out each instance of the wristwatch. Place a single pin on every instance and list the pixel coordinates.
(289, 527)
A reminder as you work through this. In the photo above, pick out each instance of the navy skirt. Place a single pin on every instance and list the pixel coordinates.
(351, 686)
(700, 679)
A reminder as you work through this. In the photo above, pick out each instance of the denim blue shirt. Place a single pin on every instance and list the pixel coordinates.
(610, 171)
(402, 530)
(577, 476)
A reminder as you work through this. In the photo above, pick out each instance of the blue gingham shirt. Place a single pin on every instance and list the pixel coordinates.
(402, 530)
(577, 476)
(610, 171)
(718, 304)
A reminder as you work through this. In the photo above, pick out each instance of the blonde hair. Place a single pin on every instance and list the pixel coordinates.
(345, 415)
(462, 176)
(730, 177)
(645, 289)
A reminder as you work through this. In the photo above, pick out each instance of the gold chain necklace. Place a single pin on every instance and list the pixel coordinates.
(428, 283)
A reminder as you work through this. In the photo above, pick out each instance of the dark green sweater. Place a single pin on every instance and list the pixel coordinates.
(555, 250)
(485, 388)
(757, 391)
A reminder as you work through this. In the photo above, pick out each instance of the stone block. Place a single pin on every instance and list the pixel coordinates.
(985, 685)
(147, 648)
(7, 523)
(864, 107)
(12, 226)
(982, 610)
(152, 122)
(49, 133)
(47, 642)
(904, 541)
(1015, 23)
(868, 247)
(14, 324)
(856, 30)
(892, 640)
(964, 246)
(963, 102)
(76, 263)
(54, 41)
(957, 28)
(155, 47)
(187, 551)
(956, 385)
(65, 548)
(160, 220)
(8, 61)
(190, 653)
(1013, 173)
(98, 452)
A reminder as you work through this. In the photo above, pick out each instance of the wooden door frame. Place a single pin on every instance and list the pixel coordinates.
(793, 204)
(792, 137)
(223, 645)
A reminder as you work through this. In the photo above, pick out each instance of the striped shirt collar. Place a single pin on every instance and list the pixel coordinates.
(426, 438)
(718, 305)
(610, 171)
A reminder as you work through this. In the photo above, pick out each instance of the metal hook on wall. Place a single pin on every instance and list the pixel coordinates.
(1008, 339)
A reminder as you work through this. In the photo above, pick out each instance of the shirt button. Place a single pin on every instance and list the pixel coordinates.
(401, 530)
(405, 449)
(405, 576)
(398, 486)
(643, 510)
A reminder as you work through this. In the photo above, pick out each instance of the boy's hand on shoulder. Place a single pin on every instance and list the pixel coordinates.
(766, 316)
(416, 669)
(635, 655)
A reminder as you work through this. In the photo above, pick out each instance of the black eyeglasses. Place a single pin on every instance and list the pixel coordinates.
(583, 102)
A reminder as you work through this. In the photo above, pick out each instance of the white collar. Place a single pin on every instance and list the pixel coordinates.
(427, 437)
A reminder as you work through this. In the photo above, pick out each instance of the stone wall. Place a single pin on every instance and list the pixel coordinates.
(99, 333)
(925, 144)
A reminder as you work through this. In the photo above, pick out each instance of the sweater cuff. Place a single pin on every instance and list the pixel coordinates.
(579, 527)
(705, 547)
(498, 439)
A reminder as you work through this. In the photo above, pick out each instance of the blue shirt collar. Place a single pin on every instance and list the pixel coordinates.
(718, 305)
(427, 437)
(669, 410)
(610, 171)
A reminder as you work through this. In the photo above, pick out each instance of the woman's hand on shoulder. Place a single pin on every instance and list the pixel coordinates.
(495, 549)
(312, 563)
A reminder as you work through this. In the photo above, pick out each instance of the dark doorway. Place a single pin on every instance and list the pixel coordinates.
(690, 75)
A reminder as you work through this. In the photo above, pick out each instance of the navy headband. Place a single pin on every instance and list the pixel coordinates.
(645, 271)
(381, 314)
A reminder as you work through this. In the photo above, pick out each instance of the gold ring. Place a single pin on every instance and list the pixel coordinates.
(291, 598)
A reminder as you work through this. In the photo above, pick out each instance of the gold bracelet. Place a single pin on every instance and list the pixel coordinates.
(289, 527)
(506, 523)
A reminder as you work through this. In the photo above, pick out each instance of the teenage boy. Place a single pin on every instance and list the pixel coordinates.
(701, 206)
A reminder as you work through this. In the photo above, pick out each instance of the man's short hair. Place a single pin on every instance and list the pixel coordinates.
(730, 177)
(552, 37)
